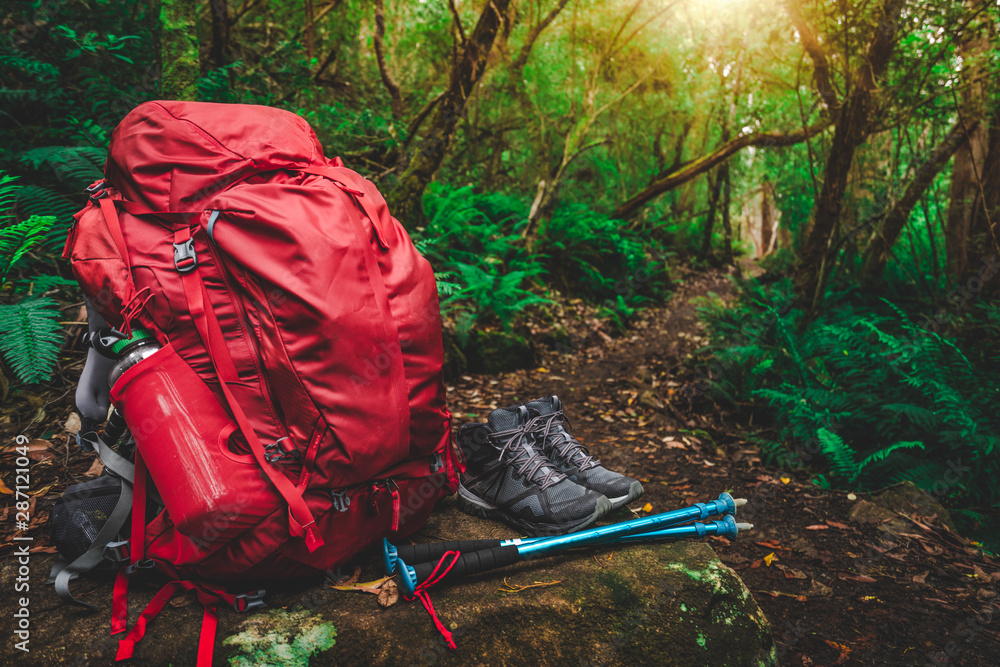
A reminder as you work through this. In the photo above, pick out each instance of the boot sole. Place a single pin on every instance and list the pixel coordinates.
(476, 506)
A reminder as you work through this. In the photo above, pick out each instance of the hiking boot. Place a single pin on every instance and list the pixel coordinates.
(572, 458)
(508, 479)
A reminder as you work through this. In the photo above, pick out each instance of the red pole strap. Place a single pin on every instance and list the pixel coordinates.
(421, 592)
(206, 645)
(300, 519)
(126, 647)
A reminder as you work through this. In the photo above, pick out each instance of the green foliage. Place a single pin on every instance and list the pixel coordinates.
(32, 337)
(16, 240)
(490, 293)
(876, 397)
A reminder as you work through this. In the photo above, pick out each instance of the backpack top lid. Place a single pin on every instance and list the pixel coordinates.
(175, 156)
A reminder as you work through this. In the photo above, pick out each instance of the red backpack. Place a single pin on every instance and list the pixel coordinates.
(295, 414)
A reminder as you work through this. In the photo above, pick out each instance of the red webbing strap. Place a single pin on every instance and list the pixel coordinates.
(339, 176)
(115, 227)
(396, 507)
(119, 603)
(206, 645)
(300, 520)
(126, 646)
(137, 539)
(223, 364)
(421, 592)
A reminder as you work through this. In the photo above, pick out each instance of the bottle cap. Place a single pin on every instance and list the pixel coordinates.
(137, 335)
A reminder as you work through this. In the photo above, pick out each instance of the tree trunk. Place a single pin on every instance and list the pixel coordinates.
(310, 30)
(767, 216)
(852, 128)
(715, 186)
(179, 49)
(880, 246)
(220, 32)
(405, 197)
(699, 166)
(727, 229)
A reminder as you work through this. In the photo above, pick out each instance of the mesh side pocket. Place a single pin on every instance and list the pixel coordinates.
(80, 514)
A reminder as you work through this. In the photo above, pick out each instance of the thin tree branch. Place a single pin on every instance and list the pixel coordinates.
(390, 84)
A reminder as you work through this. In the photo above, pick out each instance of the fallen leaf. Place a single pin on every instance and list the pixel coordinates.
(648, 507)
(95, 469)
(818, 526)
(338, 579)
(42, 491)
(834, 524)
(785, 480)
(4, 489)
(768, 558)
(39, 450)
(921, 578)
(366, 587)
(388, 593)
(73, 424)
(863, 578)
(43, 550)
(770, 544)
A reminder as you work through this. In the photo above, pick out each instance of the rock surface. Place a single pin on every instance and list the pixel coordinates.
(668, 604)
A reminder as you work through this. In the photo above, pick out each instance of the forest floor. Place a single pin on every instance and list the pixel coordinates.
(842, 581)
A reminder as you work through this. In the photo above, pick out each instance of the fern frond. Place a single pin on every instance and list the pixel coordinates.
(31, 339)
(8, 196)
(841, 455)
(884, 453)
(17, 240)
(80, 165)
(38, 200)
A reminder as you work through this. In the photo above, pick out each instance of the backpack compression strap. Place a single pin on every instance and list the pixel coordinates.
(300, 519)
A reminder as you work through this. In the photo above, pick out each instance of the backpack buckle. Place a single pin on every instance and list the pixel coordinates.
(145, 564)
(437, 462)
(116, 552)
(341, 501)
(252, 601)
(276, 451)
(98, 189)
(185, 258)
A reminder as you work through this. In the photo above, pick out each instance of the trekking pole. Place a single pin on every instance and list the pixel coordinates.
(637, 529)
(432, 551)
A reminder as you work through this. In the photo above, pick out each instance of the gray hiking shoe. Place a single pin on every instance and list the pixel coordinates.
(572, 458)
(508, 479)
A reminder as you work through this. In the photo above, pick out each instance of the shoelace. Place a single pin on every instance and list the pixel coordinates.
(565, 445)
(531, 460)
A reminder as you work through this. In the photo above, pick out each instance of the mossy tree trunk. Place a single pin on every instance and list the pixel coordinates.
(467, 68)
(178, 49)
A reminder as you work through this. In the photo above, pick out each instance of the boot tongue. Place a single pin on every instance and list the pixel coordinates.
(505, 419)
(545, 406)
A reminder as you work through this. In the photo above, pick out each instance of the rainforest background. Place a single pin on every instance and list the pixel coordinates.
(842, 158)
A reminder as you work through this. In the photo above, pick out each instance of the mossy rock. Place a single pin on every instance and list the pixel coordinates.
(494, 352)
(665, 604)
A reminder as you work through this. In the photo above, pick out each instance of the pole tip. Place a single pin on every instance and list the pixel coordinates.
(740, 502)
(744, 526)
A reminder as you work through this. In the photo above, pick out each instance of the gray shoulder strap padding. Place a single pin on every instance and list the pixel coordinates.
(63, 572)
(93, 393)
(114, 461)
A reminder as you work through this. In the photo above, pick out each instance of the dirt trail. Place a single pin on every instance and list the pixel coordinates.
(838, 591)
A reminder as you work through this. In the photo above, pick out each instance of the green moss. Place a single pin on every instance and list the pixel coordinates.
(280, 638)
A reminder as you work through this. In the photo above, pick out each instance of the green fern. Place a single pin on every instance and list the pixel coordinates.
(16, 240)
(38, 200)
(78, 165)
(31, 340)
